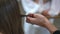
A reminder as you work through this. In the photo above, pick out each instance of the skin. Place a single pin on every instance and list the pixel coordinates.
(41, 21)
(45, 1)
(36, 1)
(45, 12)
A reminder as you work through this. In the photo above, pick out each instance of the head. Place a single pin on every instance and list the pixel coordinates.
(10, 21)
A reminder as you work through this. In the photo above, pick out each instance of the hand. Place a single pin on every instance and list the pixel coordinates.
(41, 21)
(37, 19)
(45, 13)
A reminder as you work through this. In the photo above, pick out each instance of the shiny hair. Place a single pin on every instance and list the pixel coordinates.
(10, 21)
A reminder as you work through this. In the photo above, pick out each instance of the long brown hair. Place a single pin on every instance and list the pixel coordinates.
(10, 21)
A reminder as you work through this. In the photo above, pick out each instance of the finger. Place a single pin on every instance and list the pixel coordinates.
(29, 19)
(32, 15)
(37, 15)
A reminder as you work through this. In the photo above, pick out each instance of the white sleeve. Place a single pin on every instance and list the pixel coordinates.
(55, 8)
(29, 6)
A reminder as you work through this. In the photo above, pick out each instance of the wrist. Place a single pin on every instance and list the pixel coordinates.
(51, 28)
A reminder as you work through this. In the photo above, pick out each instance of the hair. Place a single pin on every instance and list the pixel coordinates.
(10, 21)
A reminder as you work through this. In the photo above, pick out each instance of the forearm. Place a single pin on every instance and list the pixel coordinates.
(51, 28)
